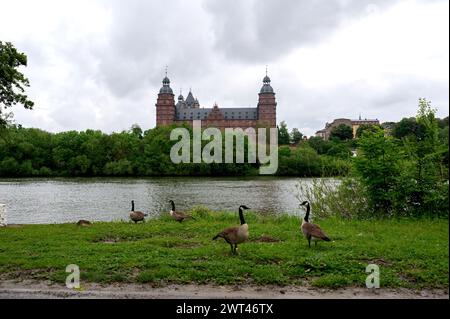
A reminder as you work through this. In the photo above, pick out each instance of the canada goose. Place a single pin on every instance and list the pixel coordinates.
(136, 216)
(310, 230)
(178, 216)
(235, 235)
(83, 222)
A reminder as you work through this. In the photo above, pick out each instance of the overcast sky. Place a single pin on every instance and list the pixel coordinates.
(99, 64)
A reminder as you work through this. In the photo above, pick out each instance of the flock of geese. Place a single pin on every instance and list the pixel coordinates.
(238, 234)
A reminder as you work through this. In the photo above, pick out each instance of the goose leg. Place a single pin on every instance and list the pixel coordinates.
(235, 249)
(309, 241)
(232, 251)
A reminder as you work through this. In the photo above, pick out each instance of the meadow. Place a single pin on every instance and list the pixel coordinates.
(411, 253)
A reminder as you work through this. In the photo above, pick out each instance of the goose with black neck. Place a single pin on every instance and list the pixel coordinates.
(235, 235)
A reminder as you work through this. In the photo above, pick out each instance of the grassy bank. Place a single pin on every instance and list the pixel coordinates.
(410, 253)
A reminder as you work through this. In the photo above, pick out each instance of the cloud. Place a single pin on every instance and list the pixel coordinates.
(261, 31)
(99, 64)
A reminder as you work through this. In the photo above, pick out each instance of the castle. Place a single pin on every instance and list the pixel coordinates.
(354, 124)
(187, 110)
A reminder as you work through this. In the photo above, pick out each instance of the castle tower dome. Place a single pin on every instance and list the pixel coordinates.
(180, 97)
(266, 88)
(166, 86)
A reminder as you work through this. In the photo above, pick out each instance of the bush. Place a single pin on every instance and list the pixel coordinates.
(343, 197)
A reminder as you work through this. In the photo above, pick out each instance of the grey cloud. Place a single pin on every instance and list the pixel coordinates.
(110, 80)
(265, 30)
(311, 109)
(146, 36)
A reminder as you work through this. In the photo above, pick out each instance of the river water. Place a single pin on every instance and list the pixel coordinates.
(60, 200)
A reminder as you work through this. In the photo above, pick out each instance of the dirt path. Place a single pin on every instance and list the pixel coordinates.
(42, 290)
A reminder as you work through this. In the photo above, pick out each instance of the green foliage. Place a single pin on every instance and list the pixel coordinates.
(408, 127)
(406, 176)
(365, 127)
(339, 150)
(304, 161)
(283, 134)
(378, 167)
(414, 253)
(344, 197)
(296, 136)
(33, 152)
(12, 82)
(319, 144)
(341, 132)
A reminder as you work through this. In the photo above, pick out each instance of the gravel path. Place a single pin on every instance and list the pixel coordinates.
(42, 290)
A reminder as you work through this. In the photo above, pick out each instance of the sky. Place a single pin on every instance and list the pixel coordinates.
(99, 64)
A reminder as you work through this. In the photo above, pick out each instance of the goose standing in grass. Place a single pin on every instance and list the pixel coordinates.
(310, 230)
(84, 223)
(235, 235)
(136, 216)
(178, 216)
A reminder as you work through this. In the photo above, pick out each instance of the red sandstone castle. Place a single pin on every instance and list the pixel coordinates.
(185, 111)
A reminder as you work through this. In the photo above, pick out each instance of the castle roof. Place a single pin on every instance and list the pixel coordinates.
(231, 113)
(266, 88)
(166, 86)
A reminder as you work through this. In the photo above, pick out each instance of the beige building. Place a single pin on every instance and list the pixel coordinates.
(354, 124)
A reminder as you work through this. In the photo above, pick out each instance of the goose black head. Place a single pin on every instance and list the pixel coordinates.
(304, 203)
(172, 204)
(244, 207)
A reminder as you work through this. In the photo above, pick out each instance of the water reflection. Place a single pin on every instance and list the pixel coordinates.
(67, 200)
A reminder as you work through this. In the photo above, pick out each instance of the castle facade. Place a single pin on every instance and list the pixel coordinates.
(187, 110)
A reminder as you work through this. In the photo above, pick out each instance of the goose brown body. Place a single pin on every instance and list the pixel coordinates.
(178, 216)
(83, 222)
(311, 231)
(235, 235)
(136, 216)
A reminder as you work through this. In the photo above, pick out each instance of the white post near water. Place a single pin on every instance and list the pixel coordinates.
(2, 215)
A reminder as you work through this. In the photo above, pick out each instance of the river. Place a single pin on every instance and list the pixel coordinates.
(60, 200)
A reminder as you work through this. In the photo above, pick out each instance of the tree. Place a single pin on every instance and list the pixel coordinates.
(136, 130)
(377, 167)
(319, 144)
(342, 132)
(283, 134)
(365, 127)
(12, 82)
(408, 127)
(427, 154)
(296, 136)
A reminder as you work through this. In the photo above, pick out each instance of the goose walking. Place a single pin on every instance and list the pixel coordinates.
(310, 230)
(235, 235)
(136, 216)
(178, 216)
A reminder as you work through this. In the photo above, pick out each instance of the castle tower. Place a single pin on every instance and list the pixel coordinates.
(267, 106)
(165, 104)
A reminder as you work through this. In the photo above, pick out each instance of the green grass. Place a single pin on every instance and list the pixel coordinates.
(410, 253)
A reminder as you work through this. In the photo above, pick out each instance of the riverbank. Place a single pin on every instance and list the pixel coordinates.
(411, 254)
(44, 290)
